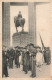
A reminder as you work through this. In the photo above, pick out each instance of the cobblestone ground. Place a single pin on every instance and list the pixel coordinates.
(44, 72)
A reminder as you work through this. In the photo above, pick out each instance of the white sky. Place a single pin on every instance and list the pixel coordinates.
(42, 21)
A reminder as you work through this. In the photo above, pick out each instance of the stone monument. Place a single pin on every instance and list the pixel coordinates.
(20, 38)
(19, 21)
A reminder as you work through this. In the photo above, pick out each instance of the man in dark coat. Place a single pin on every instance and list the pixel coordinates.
(23, 57)
(33, 52)
(8, 52)
(11, 57)
(17, 54)
(26, 61)
(4, 63)
(47, 55)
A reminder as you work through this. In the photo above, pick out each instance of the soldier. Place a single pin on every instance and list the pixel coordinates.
(4, 62)
(29, 67)
(46, 52)
(47, 55)
(33, 52)
(11, 57)
(23, 58)
(8, 51)
(17, 54)
(26, 60)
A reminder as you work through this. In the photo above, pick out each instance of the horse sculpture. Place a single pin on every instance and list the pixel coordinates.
(19, 21)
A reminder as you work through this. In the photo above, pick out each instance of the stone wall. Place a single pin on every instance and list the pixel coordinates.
(20, 39)
(6, 23)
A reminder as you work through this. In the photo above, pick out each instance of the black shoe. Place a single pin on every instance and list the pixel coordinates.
(32, 76)
(7, 76)
(25, 72)
(19, 65)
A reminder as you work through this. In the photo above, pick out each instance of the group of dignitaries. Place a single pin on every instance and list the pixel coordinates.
(28, 57)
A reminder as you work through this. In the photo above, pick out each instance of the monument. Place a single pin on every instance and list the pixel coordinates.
(25, 37)
(20, 38)
(19, 21)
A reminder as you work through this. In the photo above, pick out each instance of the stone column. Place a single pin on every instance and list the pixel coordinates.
(6, 23)
(32, 22)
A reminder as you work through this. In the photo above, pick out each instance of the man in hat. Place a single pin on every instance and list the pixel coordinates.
(33, 52)
(17, 54)
(11, 57)
(23, 58)
(4, 62)
(26, 59)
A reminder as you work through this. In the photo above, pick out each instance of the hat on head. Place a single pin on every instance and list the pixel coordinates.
(38, 47)
(16, 46)
(31, 44)
(24, 48)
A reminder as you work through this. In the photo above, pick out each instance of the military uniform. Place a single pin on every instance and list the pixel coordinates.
(4, 64)
(26, 61)
(23, 60)
(11, 57)
(17, 54)
(8, 52)
(33, 52)
(33, 58)
(47, 56)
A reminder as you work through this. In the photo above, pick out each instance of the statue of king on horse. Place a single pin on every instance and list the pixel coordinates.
(19, 21)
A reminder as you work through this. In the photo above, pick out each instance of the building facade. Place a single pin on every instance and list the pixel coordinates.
(18, 38)
(6, 24)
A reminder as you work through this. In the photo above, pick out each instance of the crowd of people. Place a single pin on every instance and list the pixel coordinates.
(27, 57)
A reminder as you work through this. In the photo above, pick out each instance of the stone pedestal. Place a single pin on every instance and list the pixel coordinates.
(20, 39)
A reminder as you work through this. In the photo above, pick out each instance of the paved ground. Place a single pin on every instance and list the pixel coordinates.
(17, 73)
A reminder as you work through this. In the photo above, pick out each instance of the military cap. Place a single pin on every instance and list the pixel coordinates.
(31, 44)
(24, 48)
(16, 46)
(47, 48)
(21, 47)
(35, 47)
(38, 47)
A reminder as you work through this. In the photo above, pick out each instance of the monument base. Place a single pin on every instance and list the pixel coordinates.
(20, 39)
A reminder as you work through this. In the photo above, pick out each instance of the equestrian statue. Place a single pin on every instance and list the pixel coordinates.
(19, 21)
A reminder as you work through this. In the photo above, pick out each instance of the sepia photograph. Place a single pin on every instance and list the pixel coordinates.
(26, 49)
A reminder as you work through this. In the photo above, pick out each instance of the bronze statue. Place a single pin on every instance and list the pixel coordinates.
(19, 21)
